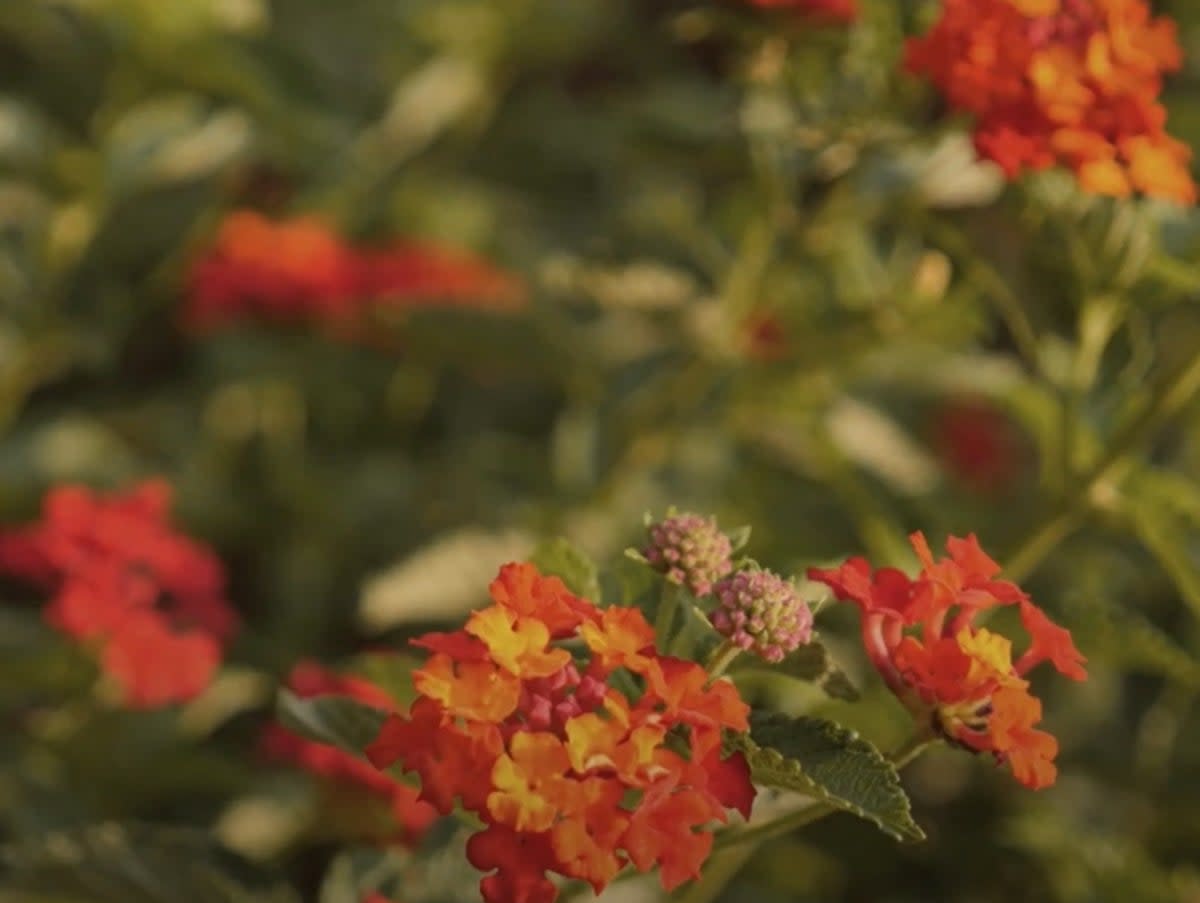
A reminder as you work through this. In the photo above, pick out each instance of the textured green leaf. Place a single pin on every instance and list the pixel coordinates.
(335, 720)
(824, 760)
(564, 559)
(113, 863)
(811, 663)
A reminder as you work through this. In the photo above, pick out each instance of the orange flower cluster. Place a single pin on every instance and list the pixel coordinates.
(300, 269)
(150, 600)
(1072, 82)
(568, 773)
(960, 676)
(308, 679)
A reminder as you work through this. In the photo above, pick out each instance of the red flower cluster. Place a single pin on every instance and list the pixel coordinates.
(960, 676)
(568, 773)
(148, 598)
(300, 270)
(832, 10)
(309, 679)
(978, 445)
(1072, 82)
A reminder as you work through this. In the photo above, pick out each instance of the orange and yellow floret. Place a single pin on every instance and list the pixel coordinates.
(569, 774)
(1063, 82)
(960, 677)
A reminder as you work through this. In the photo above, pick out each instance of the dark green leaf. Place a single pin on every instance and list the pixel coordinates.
(335, 720)
(829, 762)
(811, 663)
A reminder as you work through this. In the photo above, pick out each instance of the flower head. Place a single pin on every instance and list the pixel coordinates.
(761, 613)
(342, 770)
(568, 774)
(1068, 82)
(302, 270)
(959, 677)
(690, 550)
(121, 580)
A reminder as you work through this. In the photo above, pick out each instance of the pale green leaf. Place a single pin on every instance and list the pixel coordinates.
(562, 558)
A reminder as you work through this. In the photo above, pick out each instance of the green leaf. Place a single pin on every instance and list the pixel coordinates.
(113, 863)
(811, 663)
(1125, 638)
(390, 671)
(334, 720)
(1168, 541)
(562, 558)
(739, 537)
(835, 765)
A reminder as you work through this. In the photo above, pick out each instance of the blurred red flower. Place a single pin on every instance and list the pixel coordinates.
(121, 579)
(978, 445)
(301, 270)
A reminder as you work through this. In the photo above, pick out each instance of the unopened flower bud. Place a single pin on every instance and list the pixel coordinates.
(690, 550)
(761, 613)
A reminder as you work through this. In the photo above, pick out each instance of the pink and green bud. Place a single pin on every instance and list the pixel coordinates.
(761, 613)
(689, 550)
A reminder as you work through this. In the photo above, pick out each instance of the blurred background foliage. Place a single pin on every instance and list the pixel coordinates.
(767, 280)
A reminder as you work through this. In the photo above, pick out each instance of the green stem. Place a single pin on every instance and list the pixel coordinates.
(664, 619)
(776, 827)
(720, 659)
(1179, 390)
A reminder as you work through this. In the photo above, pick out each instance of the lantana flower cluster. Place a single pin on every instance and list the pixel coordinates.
(574, 766)
(301, 270)
(341, 769)
(124, 582)
(957, 676)
(1062, 82)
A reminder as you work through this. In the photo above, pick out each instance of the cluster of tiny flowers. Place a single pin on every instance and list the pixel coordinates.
(832, 10)
(122, 581)
(568, 774)
(342, 770)
(300, 270)
(690, 550)
(1063, 82)
(761, 613)
(958, 676)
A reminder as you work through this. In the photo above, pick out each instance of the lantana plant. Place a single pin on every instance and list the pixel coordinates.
(578, 741)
